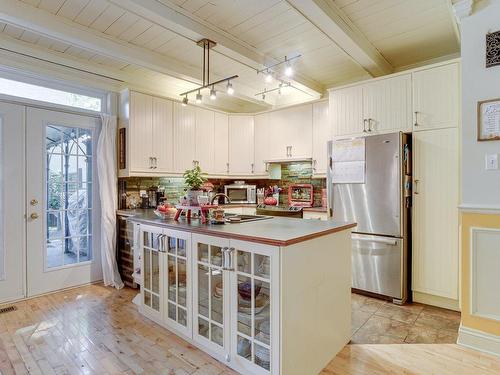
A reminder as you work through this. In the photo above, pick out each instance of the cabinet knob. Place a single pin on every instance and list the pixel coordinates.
(34, 216)
(33, 202)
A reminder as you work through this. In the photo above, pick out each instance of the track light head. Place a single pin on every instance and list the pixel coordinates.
(198, 98)
(229, 90)
(288, 70)
(269, 77)
(213, 94)
(185, 101)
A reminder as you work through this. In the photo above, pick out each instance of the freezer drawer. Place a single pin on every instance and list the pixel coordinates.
(378, 265)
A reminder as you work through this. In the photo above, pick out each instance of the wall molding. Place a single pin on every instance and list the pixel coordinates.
(478, 340)
(474, 272)
(480, 208)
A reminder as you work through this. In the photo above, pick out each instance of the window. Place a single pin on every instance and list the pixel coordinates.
(45, 94)
(69, 154)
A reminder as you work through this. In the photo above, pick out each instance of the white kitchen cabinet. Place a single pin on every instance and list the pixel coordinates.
(290, 133)
(177, 309)
(387, 105)
(148, 122)
(162, 135)
(435, 220)
(152, 271)
(184, 137)
(241, 145)
(230, 276)
(436, 97)
(221, 143)
(346, 111)
(262, 142)
(205, 137)
(321, 131)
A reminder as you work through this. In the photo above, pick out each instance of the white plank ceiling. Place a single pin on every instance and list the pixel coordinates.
(405, 32)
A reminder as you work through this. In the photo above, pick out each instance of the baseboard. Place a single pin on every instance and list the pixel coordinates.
(478, 340)
(443, 302)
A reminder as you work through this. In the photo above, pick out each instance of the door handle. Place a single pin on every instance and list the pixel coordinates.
(34, 216)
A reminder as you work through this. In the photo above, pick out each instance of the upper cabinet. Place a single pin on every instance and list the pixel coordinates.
(346, 111)
(221, 144)
(387, 105)
(262, 142)
(205, 135)
(322, 133)
(148, 125)
(184, 137)
(241, 145)
(436, 97)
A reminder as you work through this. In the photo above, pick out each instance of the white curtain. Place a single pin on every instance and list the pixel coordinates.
(106, 172)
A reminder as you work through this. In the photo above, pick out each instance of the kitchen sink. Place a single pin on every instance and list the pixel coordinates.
(242, 218)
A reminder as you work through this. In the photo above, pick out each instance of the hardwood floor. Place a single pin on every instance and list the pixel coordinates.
(97, 330)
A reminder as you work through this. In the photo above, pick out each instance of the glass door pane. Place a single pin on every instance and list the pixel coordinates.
(253, 316)
(151, 269)
(210, 291)
(177, 280)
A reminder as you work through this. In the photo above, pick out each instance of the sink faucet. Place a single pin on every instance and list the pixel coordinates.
(220, 195)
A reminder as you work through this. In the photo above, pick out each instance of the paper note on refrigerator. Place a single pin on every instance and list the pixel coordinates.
(349, 150)
(348, 172)
(348, 161)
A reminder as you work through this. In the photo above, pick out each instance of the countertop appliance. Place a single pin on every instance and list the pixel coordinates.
(369, 182)
(287, 211)
(241, 193)
(300, 195)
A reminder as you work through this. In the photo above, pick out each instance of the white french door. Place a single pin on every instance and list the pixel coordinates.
(12, 188)
(62, 205)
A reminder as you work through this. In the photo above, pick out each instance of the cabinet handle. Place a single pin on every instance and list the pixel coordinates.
(370, 125)
(253, 167)
(267, 167)
(291, 151)
(364, 125)
(314, 165)
(416, 119)
(150, 162)
(227, 167)
(155, 163)
(415, 191)
(227, 258)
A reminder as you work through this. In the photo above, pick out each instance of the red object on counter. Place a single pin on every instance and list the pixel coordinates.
(323, 198)
(300, 195)
(202, 211)
(270, 201)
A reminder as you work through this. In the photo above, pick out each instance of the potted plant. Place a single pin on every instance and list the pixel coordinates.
(194, 180)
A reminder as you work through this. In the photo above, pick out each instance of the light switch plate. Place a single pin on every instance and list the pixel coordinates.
(491, 162)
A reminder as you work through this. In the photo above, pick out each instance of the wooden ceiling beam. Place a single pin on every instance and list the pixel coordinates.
(337, 26)
(44, 23)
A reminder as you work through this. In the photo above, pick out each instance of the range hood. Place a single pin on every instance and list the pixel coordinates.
(287, 160)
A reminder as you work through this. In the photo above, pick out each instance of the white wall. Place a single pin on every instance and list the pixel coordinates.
(479, 187)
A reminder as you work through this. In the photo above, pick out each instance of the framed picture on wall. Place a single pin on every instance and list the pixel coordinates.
(488, 120)
(122, 151)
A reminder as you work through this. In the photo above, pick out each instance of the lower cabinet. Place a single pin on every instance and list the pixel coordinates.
(221, 294)
(236, 302)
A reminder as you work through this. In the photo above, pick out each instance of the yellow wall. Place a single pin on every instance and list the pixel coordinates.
(469, 220)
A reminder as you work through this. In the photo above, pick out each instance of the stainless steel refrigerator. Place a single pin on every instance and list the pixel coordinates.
(374, 191)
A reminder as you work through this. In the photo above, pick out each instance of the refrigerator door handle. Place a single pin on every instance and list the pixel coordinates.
(377, 240)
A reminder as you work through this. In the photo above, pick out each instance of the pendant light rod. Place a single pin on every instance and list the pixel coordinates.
(270, 67)
(209, 85)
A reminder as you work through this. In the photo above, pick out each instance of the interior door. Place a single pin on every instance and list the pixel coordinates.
(11, 202)
(63, 210)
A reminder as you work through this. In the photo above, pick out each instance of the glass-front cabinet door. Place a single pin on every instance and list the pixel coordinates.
(151, 271)
(254, 307)
(177, 281)
(210, 295)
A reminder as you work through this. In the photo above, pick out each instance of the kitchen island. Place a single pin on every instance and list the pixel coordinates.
(264, 297)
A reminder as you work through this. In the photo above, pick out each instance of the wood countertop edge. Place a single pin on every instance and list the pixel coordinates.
(262, 240)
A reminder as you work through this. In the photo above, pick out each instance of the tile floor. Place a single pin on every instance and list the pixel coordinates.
(379, 322)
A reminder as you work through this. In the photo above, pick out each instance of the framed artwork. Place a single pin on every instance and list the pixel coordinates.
(122, 151)
(488, 120)
(492, 49)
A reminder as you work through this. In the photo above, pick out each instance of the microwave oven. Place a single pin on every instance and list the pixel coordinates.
(241, 193)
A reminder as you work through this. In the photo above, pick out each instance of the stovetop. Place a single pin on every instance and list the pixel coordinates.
(280, 208)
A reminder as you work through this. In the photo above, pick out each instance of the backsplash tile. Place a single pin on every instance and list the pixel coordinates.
(291, 173)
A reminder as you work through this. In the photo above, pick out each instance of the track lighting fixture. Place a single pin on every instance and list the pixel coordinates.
(213, 94)
(229, 89)
(198, 98)
(185, 101)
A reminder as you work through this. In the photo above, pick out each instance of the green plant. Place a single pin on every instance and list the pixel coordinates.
(194, 178)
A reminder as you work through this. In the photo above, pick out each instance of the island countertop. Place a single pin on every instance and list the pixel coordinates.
(277, 231)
